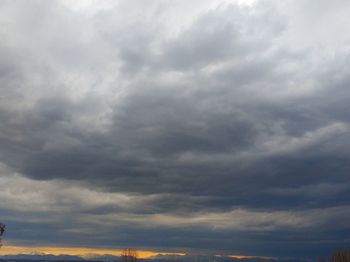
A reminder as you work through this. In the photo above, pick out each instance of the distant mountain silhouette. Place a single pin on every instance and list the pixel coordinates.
(158, 258)
(40, 257)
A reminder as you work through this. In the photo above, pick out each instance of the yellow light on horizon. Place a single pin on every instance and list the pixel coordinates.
(241, 256)
(85, 252)
(75, 251)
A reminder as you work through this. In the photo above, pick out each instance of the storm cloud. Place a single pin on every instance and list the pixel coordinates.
(176, 125)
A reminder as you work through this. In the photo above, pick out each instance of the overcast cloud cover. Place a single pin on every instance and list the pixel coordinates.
(176, 125)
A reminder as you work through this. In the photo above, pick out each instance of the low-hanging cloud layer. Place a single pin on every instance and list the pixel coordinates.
(176, 125)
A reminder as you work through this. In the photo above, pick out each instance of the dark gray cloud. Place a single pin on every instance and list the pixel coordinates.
(222, 130)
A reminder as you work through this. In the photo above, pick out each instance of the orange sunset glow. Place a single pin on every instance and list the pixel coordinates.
(243, 257)
(75, 251)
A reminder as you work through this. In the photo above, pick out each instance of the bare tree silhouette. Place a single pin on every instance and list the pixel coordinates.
(2, 230)
(340, 256)
(129, 255)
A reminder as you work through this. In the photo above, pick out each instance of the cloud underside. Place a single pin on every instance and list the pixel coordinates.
(223, 126)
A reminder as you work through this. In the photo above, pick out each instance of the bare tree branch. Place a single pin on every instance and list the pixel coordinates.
(2, 230)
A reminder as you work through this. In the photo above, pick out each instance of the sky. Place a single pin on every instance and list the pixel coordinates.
(176, 126)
